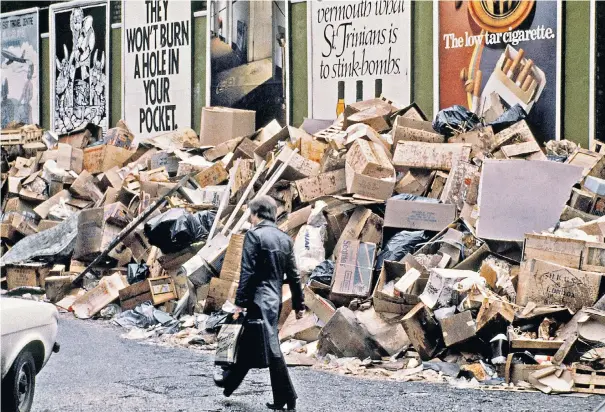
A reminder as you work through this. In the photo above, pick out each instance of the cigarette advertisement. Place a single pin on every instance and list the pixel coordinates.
(496, 54)
(357, 50)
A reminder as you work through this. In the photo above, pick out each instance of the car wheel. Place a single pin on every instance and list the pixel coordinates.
(18, 385)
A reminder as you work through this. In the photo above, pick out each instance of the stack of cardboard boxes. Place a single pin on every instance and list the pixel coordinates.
(511, 244)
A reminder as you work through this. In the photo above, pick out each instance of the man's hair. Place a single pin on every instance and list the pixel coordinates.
(264, 207)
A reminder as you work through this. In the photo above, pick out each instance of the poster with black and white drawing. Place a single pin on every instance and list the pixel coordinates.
(248, 57)
(156, 65)
(357, 50)
(20, 68)
(79, 64)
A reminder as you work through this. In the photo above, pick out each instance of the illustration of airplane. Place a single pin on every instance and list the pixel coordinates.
(10, 57)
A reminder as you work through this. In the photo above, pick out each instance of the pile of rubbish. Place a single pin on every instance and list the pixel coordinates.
(448, 250)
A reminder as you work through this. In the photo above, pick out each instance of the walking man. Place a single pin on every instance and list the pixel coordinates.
(267, 256)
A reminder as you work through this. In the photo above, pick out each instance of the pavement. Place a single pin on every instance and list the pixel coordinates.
(97, 370)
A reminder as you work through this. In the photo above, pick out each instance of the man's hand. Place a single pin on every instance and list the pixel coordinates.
(299, 314)
(237, 312)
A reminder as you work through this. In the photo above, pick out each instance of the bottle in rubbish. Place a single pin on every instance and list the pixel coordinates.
(359, 96)
(377, 88)
(499, 345)
(340, 104)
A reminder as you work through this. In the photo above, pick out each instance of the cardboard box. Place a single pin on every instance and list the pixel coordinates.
(593, 257)
(415, 182)
(97, 298)
(406, 129)
(582, 200)
(324, 184)
(363, 225)
(220, 124)
(290, 134)
(592, 163)
(322, 308)
(70, 158)
(26, 274)
(370, 159)
(43, 208)
(299, 167)
(219, 292)
(94, 234)
(458, 328)
(212, 176)
(84, 187)
(406, 214)
(211, 195)
(482, 140)
(547, 283)
(435, 156)
(375, 117)
(559, 250)
(458, 184)
(439, 291)
(169, 161)
(353, 269)
(306, 329)
(401, 304)
(423, 330)
(101, 158)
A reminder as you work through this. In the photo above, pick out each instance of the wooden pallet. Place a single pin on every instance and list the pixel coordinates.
(587, 380)
(23, 135)
(501, 388)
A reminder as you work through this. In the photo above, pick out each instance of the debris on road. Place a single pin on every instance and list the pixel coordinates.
(457, 251)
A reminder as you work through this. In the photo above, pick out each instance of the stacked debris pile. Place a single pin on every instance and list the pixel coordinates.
(455, 250)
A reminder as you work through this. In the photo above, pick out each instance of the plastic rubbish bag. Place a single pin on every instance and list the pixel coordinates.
(136, 273)
(214, 322)
(455, 119)
(400, 245)
(309, 247)
(176, 229)
(324, 272)
(508, 118)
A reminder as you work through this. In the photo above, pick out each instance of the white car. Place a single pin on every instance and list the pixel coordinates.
(28, 330)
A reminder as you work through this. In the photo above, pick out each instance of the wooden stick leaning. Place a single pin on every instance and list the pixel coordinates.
(265, 189)
(129, 228)
(245, 195)
(224, 201)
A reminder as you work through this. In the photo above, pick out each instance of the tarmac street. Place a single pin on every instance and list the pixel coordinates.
(97, 371)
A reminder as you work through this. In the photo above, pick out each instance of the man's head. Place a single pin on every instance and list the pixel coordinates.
(262, 208)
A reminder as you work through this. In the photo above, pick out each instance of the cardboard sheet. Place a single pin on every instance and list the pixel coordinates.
(519, 196)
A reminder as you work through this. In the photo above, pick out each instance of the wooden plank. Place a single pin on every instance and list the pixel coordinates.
(436, 156)
(520, 149)
(518, 132)
(324, 184)
(539, 344)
